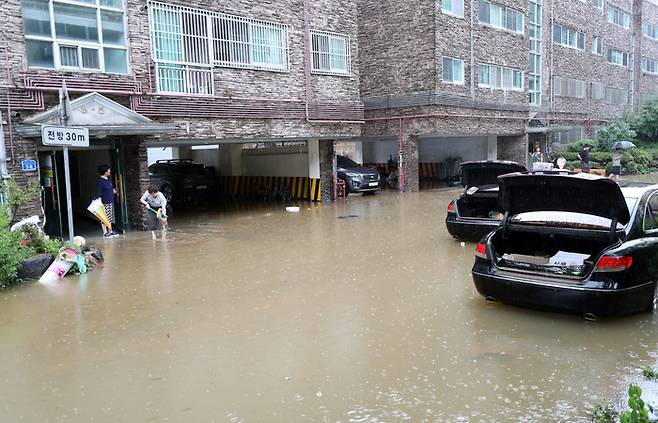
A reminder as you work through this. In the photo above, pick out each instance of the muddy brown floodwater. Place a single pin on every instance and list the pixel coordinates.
(261, 315)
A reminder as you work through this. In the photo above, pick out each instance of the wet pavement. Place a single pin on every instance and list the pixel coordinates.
(256, 314)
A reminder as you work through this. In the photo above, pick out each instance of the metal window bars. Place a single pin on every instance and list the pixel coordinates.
(188, 42)
(330, 53)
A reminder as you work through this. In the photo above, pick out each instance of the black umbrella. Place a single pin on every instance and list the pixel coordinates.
(623, 145)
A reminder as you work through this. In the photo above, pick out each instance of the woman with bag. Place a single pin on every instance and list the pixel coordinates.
(105, 192)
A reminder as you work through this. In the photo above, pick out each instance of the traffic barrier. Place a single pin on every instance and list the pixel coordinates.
(299, 187)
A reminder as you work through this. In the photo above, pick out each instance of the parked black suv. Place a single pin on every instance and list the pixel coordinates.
(181, 180)
(357, 178)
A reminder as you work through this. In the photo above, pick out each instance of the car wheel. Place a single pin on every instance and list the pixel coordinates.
(168, 192)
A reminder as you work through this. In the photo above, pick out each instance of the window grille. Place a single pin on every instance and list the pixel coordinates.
(498, 77)
(188, 42)
(598, 93)
(568, 87)
(617, 57)
(330, 53)
(616, 96)
(501, 16)
(568, 37)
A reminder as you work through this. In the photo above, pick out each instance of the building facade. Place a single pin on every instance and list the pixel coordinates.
(177, 74)
(487, 79)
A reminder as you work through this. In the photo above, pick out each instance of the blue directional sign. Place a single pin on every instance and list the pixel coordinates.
(29, 165)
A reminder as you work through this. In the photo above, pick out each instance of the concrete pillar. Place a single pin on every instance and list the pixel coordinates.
(513, 148)
(136, 174)
(236, 159)
(492, 147)
(408, 165)
(314, 159)
(358, 152)
(326, 154)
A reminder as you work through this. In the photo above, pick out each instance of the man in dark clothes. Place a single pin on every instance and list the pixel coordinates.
(105, 192)
(584, 158)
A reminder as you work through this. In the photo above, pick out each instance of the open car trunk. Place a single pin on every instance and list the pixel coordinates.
(480, 205)
(570, 253)
(480, 180)
(558, 224)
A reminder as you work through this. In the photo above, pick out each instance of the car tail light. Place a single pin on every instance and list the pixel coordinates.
(613, 264)
(451, 208)
(481, 251)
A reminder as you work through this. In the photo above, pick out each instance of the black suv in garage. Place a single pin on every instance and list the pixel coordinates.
(357, 178)
(181, 180)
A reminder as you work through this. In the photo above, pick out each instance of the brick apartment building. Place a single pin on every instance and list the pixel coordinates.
(146, 74)
(492, 78)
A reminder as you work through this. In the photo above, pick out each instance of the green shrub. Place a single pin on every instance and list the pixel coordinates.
(577, 146)
(11, 250)
(649, 373)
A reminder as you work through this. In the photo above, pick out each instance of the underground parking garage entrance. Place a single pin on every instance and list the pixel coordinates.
(435, 160)
(116, 134)
(201, 174)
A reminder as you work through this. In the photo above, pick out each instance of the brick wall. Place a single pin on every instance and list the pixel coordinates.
(136, 179)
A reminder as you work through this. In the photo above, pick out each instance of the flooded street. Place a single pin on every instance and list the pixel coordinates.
(262, 315)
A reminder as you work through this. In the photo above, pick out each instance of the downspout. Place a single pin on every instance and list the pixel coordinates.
(472, 50)
(307, 69)
(9, 124)
(550, 73)
(401, 156)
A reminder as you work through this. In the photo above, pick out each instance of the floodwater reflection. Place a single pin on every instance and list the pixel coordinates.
(262, 315)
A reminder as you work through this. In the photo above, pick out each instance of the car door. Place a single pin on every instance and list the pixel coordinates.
(647, 250)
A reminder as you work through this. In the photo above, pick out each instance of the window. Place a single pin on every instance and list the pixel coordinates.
(568, 37)
(90, 36)
(617, 57)
(534, 71)
(649, 30)
(597, 45)
(649, 65)
(568, 87)
(618, 17)
(597, 92)
(616, 96)
(651, 214)
(243, 43)
(598, 4)
(501, 17)
(453, 70)
(453, 7)
(498, 77)
(330, 53)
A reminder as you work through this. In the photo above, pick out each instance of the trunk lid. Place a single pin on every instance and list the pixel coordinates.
(580, 193)
(482, 173)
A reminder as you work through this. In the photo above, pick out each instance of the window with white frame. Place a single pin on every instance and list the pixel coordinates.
(649, 30)
(598, 4)
(535, 33)
(453, 7)
(330, 53)
(649, 65)
(76, 35)
(453, 71)
(499, 77)
(597, 91)
(597, 45)
(188, 42)
(501, 16)
(617, 57)
(568, 87)
(616, 96)
(568, 37)
(618, 17)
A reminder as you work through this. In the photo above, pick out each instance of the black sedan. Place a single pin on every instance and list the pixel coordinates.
(475, 213)
(357, 178)
(579, 244)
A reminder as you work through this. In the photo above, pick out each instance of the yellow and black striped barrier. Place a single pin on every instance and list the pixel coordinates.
(300, 187)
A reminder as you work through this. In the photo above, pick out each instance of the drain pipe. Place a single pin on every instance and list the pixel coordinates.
(401, 175)
(3, 152)
(9, 124)
(472, 73)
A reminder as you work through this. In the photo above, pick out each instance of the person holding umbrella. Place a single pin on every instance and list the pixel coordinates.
(616, 164)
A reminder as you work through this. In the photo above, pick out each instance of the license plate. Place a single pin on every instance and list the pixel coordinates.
(202, 187)
(374, 184)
